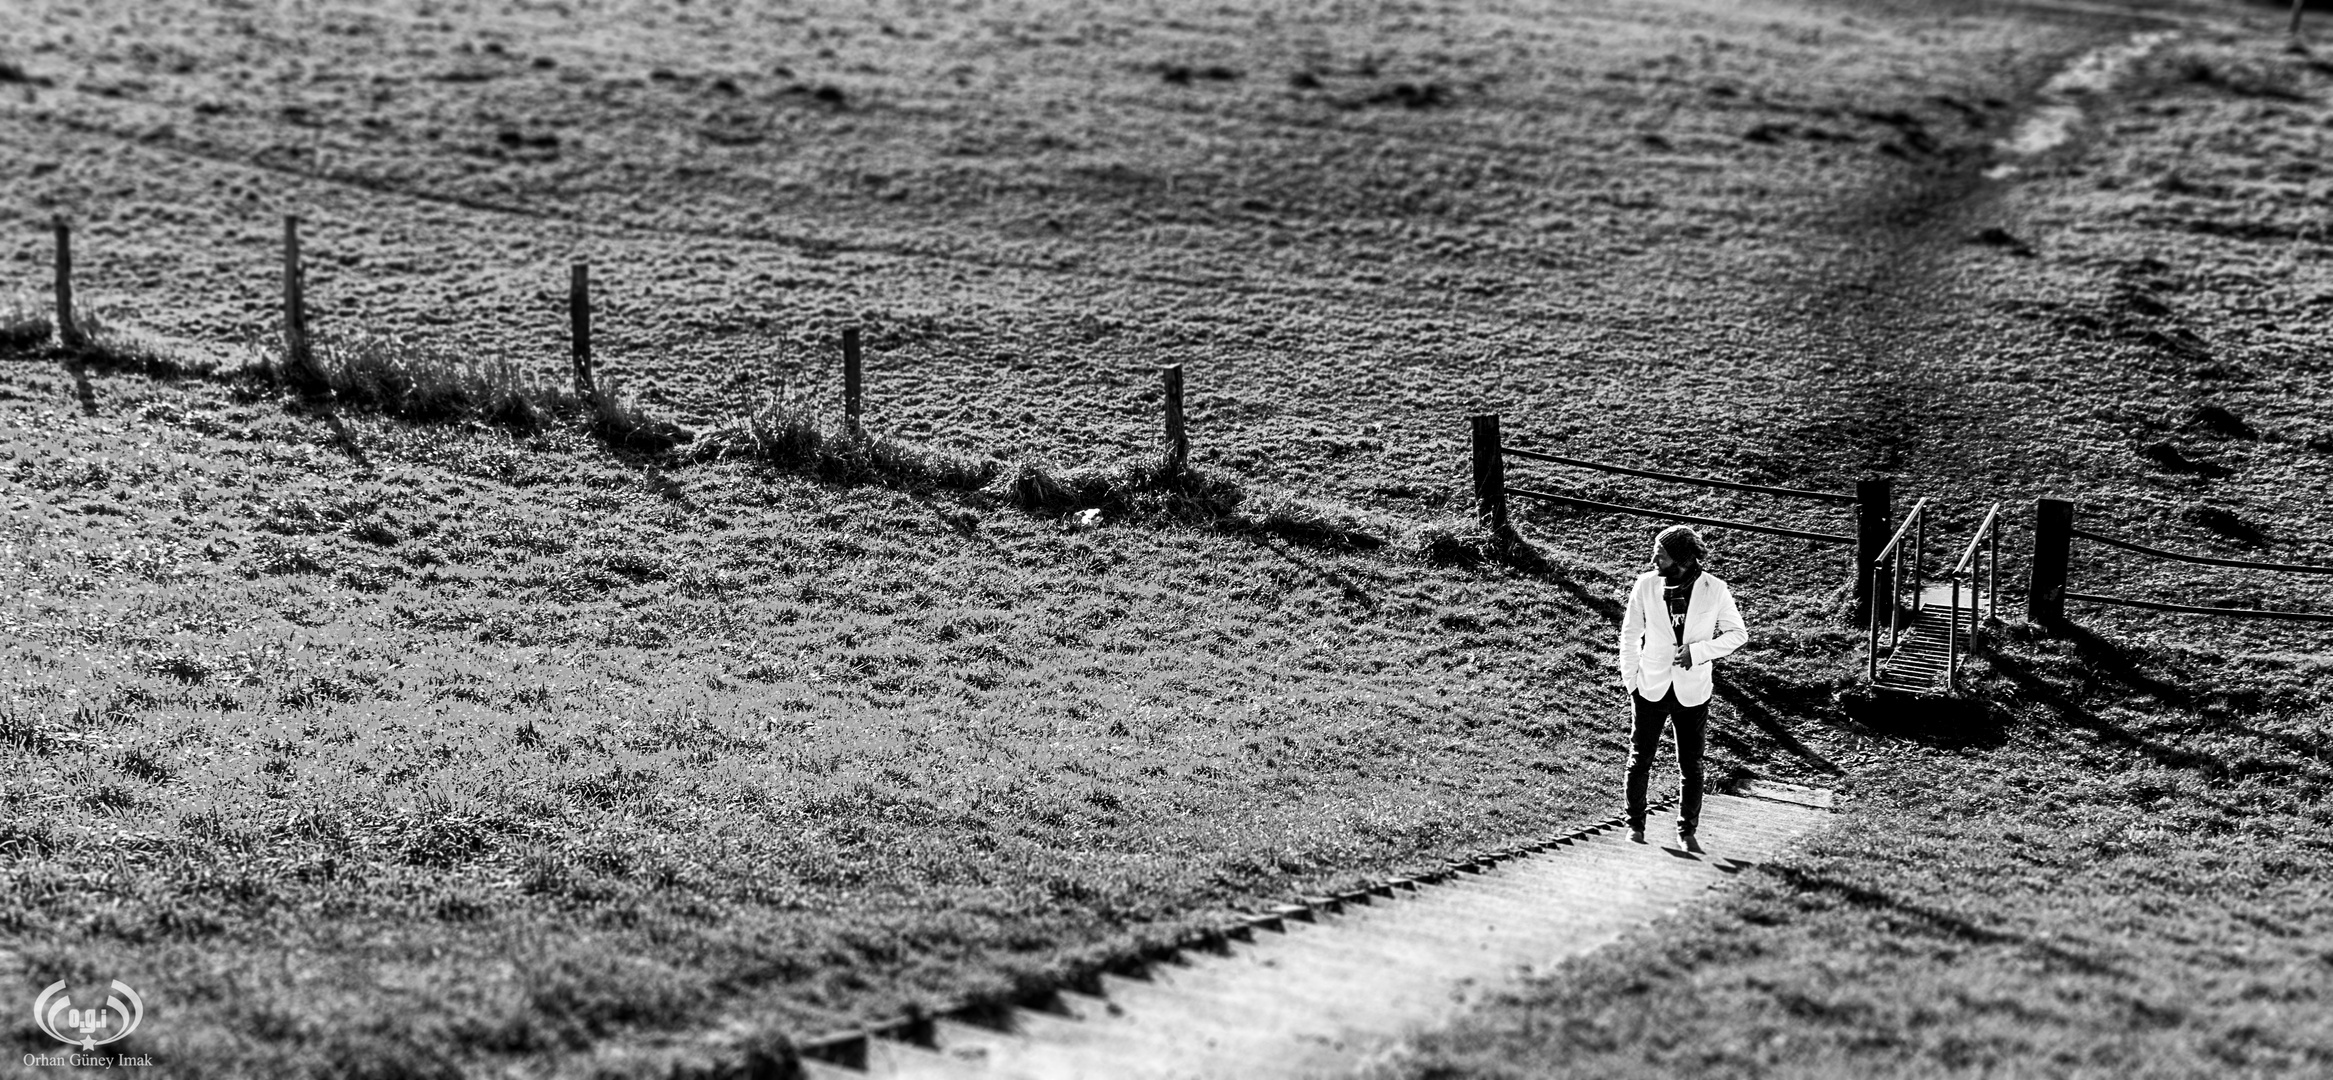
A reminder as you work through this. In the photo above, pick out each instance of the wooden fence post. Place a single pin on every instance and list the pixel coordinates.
(298, 355)
(2053, 538)
(68, 330)
(851, 375)
(1178, 441)
(1874, 507)
(1490, 476)
(579, 330)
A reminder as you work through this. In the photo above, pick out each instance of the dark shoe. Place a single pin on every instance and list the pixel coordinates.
(1636, 836)
(1686, 841)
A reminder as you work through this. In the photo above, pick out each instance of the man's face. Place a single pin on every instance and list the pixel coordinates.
(1663, 563)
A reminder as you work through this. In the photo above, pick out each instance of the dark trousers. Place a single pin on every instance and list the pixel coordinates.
(1692, 723)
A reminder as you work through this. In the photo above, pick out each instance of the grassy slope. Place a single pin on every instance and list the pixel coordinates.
(2121, 872)
(609, 745)
(612, 747)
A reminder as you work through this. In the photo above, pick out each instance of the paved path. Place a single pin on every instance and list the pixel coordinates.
(1317, 997)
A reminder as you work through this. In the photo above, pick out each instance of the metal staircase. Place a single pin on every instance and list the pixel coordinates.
(1922, 661)
(1946, 619)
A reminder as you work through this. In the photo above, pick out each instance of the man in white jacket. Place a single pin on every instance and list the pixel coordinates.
(1680, 619)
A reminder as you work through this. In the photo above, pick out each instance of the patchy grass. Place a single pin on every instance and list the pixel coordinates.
(23, 328)
(621, 748)
(2117, 873)
(496, 743)
(397, 378)
(2116, 867)
(795, 435)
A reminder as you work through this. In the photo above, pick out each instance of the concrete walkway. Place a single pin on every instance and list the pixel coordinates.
(1318, 997)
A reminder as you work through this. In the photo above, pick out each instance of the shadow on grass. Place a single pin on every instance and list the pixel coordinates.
(1353, 592)
(1939, 721)
(82, 388)
(2121, 672)
(1952, 926)
(1764, 700)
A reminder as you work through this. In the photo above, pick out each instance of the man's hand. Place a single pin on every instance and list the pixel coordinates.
(1684, 656)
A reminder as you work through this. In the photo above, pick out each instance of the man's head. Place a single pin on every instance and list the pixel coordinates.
(1678, 551)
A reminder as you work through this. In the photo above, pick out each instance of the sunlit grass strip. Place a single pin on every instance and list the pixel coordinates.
(22, 328)
(431, 384)
(1156, 488)
(434, 385)
(105, 344)
(391, 376)
(795, 435)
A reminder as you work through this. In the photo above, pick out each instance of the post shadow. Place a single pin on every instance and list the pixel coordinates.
(1950, 925)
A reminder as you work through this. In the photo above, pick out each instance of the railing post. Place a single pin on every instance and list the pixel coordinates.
(1178, 441)
(299, 354)
(1490, 476)
(2053, 539)
(851, 375)
(1872, 675)
(579, 326)
(68, 330)
(1993, 570)
(1952, 641)
(1873, 495)
(1919, 560)
(1895, 595)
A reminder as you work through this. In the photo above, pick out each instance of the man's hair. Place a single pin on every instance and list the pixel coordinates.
(1683, 544)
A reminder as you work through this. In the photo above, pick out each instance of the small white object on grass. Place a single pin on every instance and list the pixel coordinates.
(1085, 519)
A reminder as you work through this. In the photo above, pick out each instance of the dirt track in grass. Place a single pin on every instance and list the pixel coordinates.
(935, 754)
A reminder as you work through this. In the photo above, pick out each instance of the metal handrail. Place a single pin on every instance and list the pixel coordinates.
(1987, 540)
(1984, 528)
(1916, 524)
(1909, 516)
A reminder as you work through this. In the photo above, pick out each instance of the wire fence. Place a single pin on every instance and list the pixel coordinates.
(1870, 500)
(2054, 534)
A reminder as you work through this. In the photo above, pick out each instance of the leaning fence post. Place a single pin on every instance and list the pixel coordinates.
(2053, 538)
(1490, 475)
(1177, 440)
(851, 397)
(68, 331)
(579, 326)
(1874, 496)
(299, 356)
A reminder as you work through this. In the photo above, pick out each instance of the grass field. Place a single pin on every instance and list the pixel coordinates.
(365, 746)
(2118, 870)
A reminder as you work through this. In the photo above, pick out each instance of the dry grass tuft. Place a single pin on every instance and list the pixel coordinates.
(105, 344)
(795, 435)
(1455, 542)
(1155, 488)
(1149, 486)
(389, 375)
(22, 329)
(430, 384)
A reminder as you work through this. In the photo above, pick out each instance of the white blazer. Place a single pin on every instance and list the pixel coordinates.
(1648, 647)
